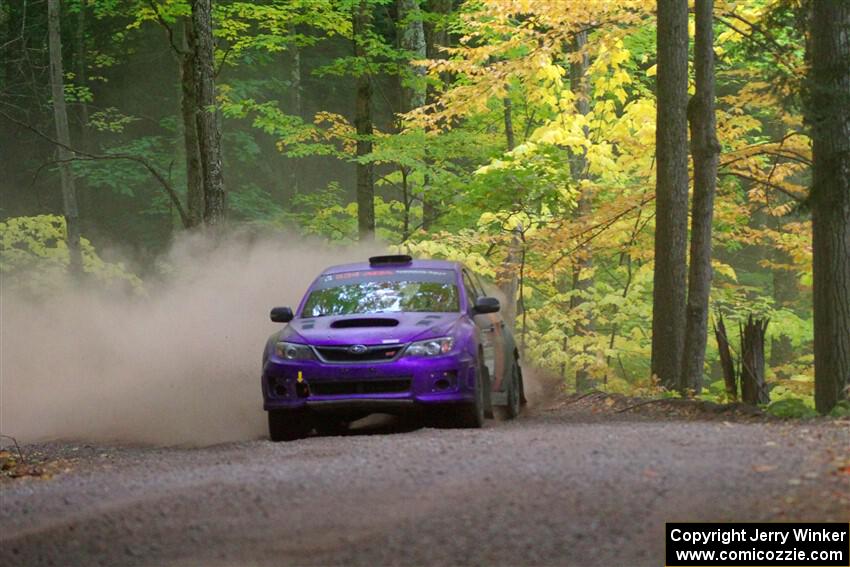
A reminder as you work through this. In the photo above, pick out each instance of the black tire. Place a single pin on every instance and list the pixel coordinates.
(515, 391)
(330, 426)
(471, 416)
(288, 425)
(522, 399)
(488, 393)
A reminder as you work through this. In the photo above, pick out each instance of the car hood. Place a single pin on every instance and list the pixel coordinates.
(370, 329)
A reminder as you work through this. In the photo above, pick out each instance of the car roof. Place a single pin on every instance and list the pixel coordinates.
(421, 264)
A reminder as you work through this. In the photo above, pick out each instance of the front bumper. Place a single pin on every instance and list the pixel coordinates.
(378, 386)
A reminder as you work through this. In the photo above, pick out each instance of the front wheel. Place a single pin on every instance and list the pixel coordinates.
(471, 416)
(288, 425)
(330, 426)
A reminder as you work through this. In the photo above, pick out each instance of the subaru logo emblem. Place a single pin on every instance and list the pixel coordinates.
(357, 349)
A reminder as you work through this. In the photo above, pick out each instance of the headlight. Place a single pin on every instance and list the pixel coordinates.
(293, 351)
(431, 347)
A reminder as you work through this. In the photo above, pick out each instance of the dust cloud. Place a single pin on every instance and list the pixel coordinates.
(542, 387)
(178, 367)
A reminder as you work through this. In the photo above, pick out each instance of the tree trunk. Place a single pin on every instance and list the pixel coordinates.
(363, 126)
(436, 37)
(753, 387)
(727, 363)
(294, 108)
(509, 123)
(671, 188)
(206, 115)
(188, 107)
(406, 201)
(81, 78)
(829, 118)
(578, 165)
(60, 115)
(412, 40)
(705, 150)
(508, 280)
(785, 296)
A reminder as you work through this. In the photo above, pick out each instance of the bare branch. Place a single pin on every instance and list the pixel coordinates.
(165, 25)
(80, 155)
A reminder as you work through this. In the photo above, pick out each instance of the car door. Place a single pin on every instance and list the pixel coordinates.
(502, 342)
(489, 332)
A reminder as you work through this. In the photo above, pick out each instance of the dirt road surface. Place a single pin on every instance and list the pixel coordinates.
(558, 487)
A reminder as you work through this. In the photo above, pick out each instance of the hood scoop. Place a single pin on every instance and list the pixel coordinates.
(364, 322)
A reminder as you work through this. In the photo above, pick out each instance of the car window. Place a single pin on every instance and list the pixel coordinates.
(382, 291)
(479, 284)
(472, 292)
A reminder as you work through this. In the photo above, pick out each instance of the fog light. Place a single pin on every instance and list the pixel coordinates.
(442, 384)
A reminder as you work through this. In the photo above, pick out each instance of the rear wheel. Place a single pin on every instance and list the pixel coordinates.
(515, 391)
(287, 425)
(487, 389)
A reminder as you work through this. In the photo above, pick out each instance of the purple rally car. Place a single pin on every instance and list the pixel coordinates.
(389, 336)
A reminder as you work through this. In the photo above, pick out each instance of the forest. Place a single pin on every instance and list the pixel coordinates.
(660, 191)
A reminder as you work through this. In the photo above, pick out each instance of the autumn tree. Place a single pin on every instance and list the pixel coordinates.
(671, 188)
(829, 118)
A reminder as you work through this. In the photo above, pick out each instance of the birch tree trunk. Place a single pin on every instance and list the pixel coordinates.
(705, 150)
(363, 126)
(671, 189)
(578, 165)
(412, 40)
(206, 116)
(829, 118)
(60, 115)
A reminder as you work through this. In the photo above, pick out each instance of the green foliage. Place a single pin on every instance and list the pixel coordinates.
(841, 409)
(34, 258)
(791, 408)
(572, 201)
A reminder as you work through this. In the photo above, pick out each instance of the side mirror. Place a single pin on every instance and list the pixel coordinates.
(486, 305)
(281, 315)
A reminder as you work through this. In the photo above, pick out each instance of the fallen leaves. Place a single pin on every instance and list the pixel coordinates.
(15, 466)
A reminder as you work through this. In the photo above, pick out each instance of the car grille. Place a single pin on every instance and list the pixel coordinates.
(371, 354)
(387, 386)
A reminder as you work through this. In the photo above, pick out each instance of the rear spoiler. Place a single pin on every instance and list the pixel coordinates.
(394, 259)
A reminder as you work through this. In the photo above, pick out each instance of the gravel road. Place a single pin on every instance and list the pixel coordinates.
(559, 487)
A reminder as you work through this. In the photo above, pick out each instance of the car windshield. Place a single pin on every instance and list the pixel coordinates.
(381, 291)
